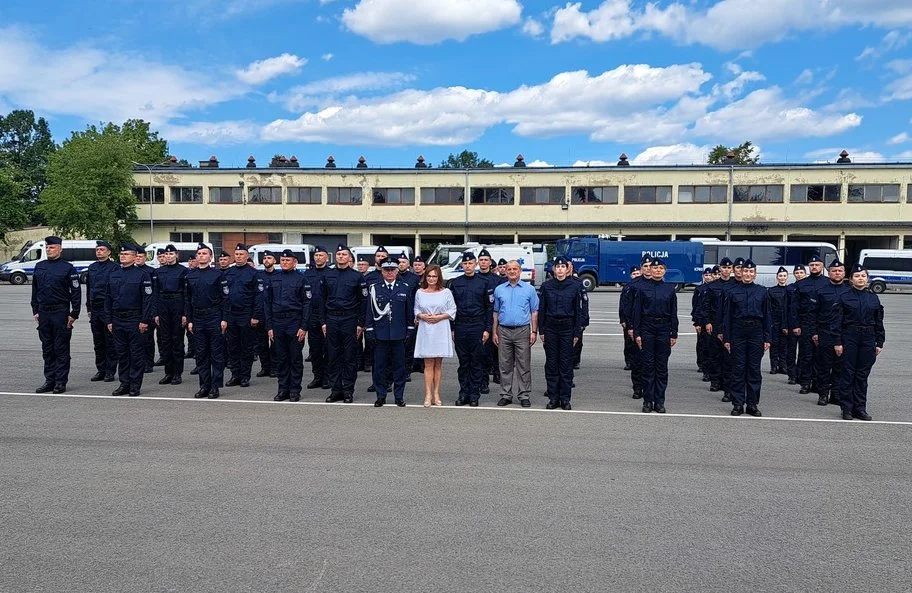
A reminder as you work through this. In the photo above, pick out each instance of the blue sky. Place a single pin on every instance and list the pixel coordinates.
(562, 83)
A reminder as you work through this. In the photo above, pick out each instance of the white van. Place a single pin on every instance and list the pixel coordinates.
(370, 250)
(80, 253)
(303, 251)
(184, 251)
(886, 266)
(523, 253)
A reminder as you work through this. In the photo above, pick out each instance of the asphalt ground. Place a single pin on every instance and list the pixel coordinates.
(167, 493)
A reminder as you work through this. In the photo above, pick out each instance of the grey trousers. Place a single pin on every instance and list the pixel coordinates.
(515, 358)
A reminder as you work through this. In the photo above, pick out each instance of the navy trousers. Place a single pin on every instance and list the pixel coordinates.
(317, 343)
(791, 356)
(210, 354)
(807, 357)
(858, 359)
(778, 351)
(240, 347)
(55, 345)
(289, 355)
(559, 359)
(654, 361)
(746, 358)
(636, 367)
(389, 360)
(264, 351)
(171, 335)
(828, 366)
(103, 342)
(472, 354)
(132, 348)
(342, 353)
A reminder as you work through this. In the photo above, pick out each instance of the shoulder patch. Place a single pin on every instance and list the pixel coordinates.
(75, 282)
(364, 290)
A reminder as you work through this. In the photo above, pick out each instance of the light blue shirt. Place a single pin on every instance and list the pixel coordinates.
(514, 305)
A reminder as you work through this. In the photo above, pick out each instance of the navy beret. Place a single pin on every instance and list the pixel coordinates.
(836, 264)
(240, 247)
(418, 258)
(224, 254)
(799, 267)
(484, 253)
(715, 269)
(128, 247)
(560, 260)
(320, 249)
(781, 269)
(52, 240)
(749, 265)
(658, 262)
(646, 259)
(288, 253)
(501, 262)
(403, 256)
(707, 270)
(268, 253)
(160, 251)
(201, 246)
(170, 248)
(634, 269)
(342, 247)
(858, 268)
(102, 243)
(725, 262)
(815, 259)
(363, 258)
(468, 256)
(381, 249)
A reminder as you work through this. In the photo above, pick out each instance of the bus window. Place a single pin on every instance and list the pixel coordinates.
(733, 252)
(711, 255)
(768, 255)
(799, 256)
(889, 264)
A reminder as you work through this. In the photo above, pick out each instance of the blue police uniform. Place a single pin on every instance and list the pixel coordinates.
(129, 303)
(289, 308)
(655, 323)
(474, 298)
(242, 293)
(778, 298)
(206, 306)
(720, 378)
(264, 349)
(97, 279)
(626, 313)
(316, 341)
(169, 286)
(806, 290)
(389, 319)
(366, 352)
(857, 325)
(560, 320)
(148, 338)
(56, 295)
(584, 320)
(343, 304)
(624, 303)
(827, 366)
(793, 345)
(698, 318)
(746, 327)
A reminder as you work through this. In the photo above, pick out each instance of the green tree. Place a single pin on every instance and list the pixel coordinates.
(25, 147)
(145, 144)
(466, 160)
(90, 184)
(744, 154)
(12, 210)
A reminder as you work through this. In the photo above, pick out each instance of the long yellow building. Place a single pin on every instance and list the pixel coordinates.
(854, 206)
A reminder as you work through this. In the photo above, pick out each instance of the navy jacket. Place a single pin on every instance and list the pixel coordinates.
(263, 279)
(206, 290)
(289, 295)
(561, 302)
(169, 280)
(655, 300)
(827, 298)
(806, 290)
(779, 307)
(317, 279)
(130, 290)
(389, 313)
(698, 308)
(97, 278)
(55, 286)
(242, 290)
(858, 308)
(747, 302)
(345, 291)
(474, 299)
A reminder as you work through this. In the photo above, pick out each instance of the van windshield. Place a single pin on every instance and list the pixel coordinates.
(562, 248)
(32, 255)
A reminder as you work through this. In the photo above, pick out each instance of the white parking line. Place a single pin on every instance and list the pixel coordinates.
(512, 408)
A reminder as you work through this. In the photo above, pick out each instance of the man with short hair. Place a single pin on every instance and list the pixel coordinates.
(154, 329)
(148, 338)
(97, 282)
(265, 350)
(129, 310)
(793, 346)
(316, 341)
(343, 323)
(242, 293)
(389, 320)
(206, 309)
(168, 283)
(515, 328)
(289, 300)
(807, 309)
(828, 366)
(474, 298)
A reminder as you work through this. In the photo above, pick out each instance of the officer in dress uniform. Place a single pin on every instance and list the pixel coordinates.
(343, 304)
(316, 341)
(720, 379)
(168, 283)
(827, 369)
(793, 346)
(56, 300)
(746, 328)
(206, 309)
(375, 275)
(97, 278)
(148, 337)
(697, 312)
(560, 318)
(243, 286)
(129, 312)
(859, 331)
(636, 372)
(389, 318)
(655, 327)
(807, 311)
(289, 305)
(154, 328)
(778, 296)
(474, 300)
(265, 348)
(624, 303)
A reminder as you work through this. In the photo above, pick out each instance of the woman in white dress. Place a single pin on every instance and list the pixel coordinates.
(434, 309)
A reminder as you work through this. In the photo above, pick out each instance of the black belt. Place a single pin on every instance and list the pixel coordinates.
(341, 312)
(241, 309)
(514, 326)
(864, 328)
(53, 308)
(171, 295)
(98, 302)
(126, 314)
(657, 318)
(287, 314)
(469, 318)
(558, 321)
(747, 322)
(208, 311)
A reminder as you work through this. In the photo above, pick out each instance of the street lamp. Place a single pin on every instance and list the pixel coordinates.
(148, 167)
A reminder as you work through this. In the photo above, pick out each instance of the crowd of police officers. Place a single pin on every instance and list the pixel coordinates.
(823, 331)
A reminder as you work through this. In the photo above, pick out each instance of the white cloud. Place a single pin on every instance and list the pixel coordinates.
(900, 138)
(327, 57)
(734, 24)
(734, 87)
(532, 27)
(892, 41)
(900, 89)
(806, 77)
(324, 92)
(904, 156)
(674, 154)
(829, 155)
(389, 21)
(265, 70)
(211, 133)
(593, 163)
(539, 164)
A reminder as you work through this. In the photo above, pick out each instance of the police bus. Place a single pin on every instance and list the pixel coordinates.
(768, 255)
(887, 266)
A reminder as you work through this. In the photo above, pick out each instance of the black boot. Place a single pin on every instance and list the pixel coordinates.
(647, 407)
(99, 376)
(166, 380)
(46, 388)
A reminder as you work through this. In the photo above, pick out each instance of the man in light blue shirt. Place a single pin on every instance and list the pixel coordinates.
(515, 332)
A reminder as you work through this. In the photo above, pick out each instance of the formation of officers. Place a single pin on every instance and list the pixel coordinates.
(823, 331)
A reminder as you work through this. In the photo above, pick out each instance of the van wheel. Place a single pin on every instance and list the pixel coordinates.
(589, 282)
(878, 287)
(18, 278)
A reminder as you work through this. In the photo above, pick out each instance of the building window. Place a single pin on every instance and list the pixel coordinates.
(594, 195)
(343, 195)
(142, 194)
(542, 195)
(909, 193)
(442, 195)
(815, 193)
(305, 195)
(186, 237)
(702, 194)
(225, 195)
(492, 195)
(264, 195)
(275, 238)
(394, 195)
(758, 193)
(874, 193)
(647, 194)
(215, 240)
(186, 195)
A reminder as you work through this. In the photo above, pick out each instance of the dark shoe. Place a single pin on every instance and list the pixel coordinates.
(159, 363)
(834, 399)
(195, 371)
(244, 383)
(334, 397)
(109, 379)
(203, 392)
(626, 367)
(176, 380)
(526, 403)
(149, 369)
(295, 398)
(59, 389)
(325, 385)
(754, 411)
(134, 393)
(727, 397)
(99, 376)
(233, 382)
(307, 359)
(408, 378)
(792, 381)
(647, 407)
(281, 396)
(637, 394)
(165, 380)
(715, 387)
(496, 379)
(659, 409)
(46, 388)
(460, 401)
(774, 371)
(566, 406)
(379, 403)
(862, 416)
(822, 400)
(552, 405)
(805, 389)
(189, 355)
(400, 403)
(315, 384)
(473, 403)
(263, 373)
(576, 367)
(572, 384)
(214, 394)
(121, 390)
(348, 399)
(737, 411)
(504, 402)
(705, 378)
(485, 390)
(273, 374)
(847, 415)
(371, 388)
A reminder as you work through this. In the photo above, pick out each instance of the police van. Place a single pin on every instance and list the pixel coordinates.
(20, 269)
(184, 251)
(303, 252)
(524, 253)
(887, 266)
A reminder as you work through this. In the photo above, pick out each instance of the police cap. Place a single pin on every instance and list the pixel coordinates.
(501, 262)
(646, 260)
(485, 253)
(102, 243)
(725, 262)
(560, 260)
(715, 269)
(381, 249)
(363, 258)
(268, 253)
(52, 240)
(418, 258)
(799, 267)
(224, 254)
(707, 271)
(403, 256)
(160, 251)
(128, 247)
(748, 265)
(781, 269)
(815, 259)
(739, 261)
(858, 268)
(658, 262)
(288, 253)
(389, 264)
(320, 249)
(170, 248)
(836, 264)
(240, 247)
(468, 256)
(634, 269)
(343, 247)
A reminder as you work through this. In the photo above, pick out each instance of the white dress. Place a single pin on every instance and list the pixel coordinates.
(434, 340)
